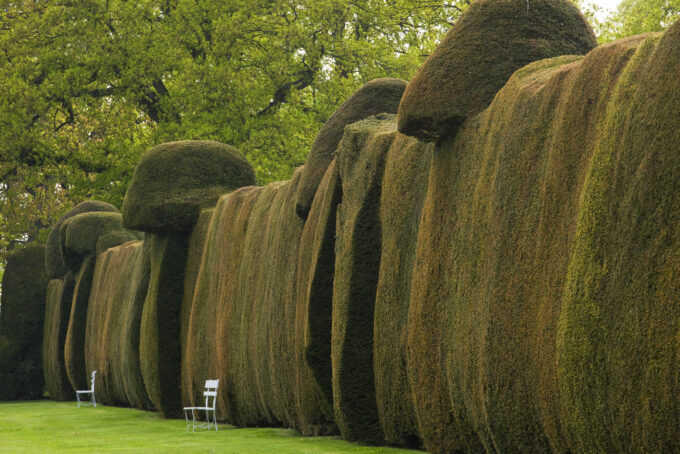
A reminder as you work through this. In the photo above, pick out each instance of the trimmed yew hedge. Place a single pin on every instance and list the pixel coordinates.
(316, 265)
(173, 181)
(159, 341)
(617, 343)
(375, 97)
(57, 313)
(24, 288)
(54, 260)
(119, 288)
(361, 163)
(486, 45)
(404, 185)
(74, 346)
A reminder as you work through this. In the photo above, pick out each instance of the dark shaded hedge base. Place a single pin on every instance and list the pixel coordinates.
(509, 288)
(24, 289)
(57, 313)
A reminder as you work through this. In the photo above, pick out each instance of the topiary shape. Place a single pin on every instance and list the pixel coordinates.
(489, 42)
(375, 97)
(54, 261)
(174, 180)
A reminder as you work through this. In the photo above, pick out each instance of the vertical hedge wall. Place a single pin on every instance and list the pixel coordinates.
(618, 330)
(74, 347)
(314, 305)
(120, 283)
(22, 314)
(404, 186)
(57, 313)
(361, 162)
(159, 342)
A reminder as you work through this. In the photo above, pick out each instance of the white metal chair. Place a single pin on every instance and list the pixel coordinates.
(210, 394)
(90, 391)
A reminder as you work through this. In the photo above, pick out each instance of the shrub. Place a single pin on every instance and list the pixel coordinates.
(174, 180)
(54, 261)
(22, 314)
(486, 45)
(375, 97)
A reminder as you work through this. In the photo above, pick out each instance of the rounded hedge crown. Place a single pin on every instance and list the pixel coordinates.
(54, 260)
(174, 180)
(486, 45)
(375, 97)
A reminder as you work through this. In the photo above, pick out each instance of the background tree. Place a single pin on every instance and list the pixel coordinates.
(88, 85)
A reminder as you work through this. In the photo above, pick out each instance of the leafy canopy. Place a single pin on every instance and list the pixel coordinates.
(88, 85)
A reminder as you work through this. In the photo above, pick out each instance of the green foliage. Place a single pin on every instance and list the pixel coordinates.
(22, 314)
(407, 167)
(375, 97)
(74, 345)
(54, 258)
(112, 332)
(490, 41)
(633, 17)
(618, 333)
(173, 181)
(160, 329)
(361, 162)
(316, 265)
(87, 88)
(57, 313)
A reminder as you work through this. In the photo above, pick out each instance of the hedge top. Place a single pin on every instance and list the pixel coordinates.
(486, 45)
(375, 97)
(54, 261)
(174, 180)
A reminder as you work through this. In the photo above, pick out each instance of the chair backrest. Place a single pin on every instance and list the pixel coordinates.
(211, 391)
(92, 380)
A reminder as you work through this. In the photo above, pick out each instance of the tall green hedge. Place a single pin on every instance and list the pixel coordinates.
(159, 342)
(404, 185)
(174, 180)
(54, 260)
(617, 342)
(361, 163)
(74, 346)
(375, 97)
(57, 313)
(22, 315)
(191, 390)
(486, 45)
(314, 305)
(206, 354)
(119, 287)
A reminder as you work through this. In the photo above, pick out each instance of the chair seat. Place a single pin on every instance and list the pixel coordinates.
(210, 394)
(84, 392)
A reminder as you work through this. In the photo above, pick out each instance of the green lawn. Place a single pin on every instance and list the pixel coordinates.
(47, 426)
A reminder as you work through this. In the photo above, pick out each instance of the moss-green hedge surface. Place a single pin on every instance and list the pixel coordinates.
(497, 258)
(159, 342)
(206, 351)
(361, 163)
(375, 97)
(490, 41)
(22, 314)
(57, 313)
(174, 180)
(404, 185)
(54, 261)
(316, 265)
(74, 346)
(618, 351)
(119, 288)
(192, 393)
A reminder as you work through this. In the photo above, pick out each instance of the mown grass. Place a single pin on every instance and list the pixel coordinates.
(47, 426)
